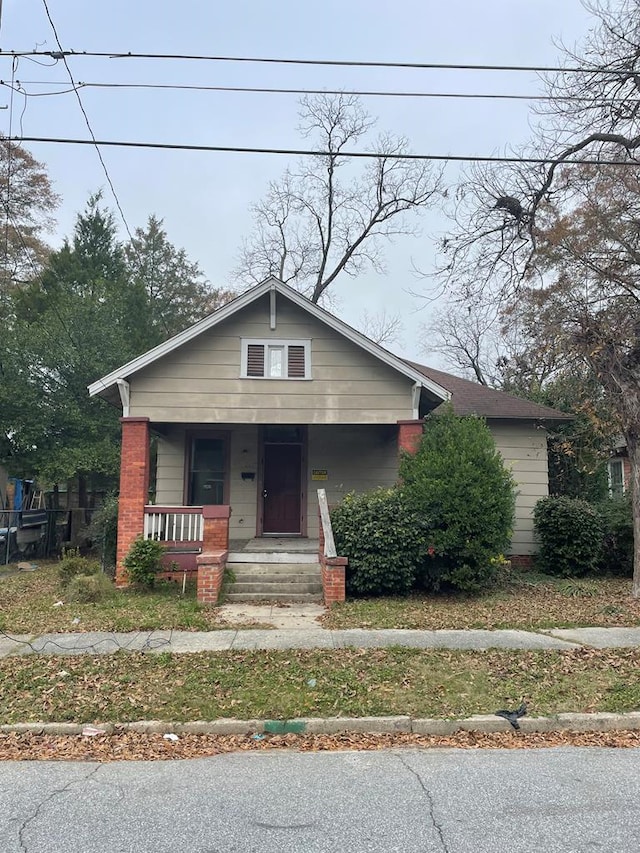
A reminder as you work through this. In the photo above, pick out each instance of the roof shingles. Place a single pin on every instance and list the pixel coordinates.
(472, 398)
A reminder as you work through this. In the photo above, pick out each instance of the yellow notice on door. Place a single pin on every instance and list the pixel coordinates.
(319, 474)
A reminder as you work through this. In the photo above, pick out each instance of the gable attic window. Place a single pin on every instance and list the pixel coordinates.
(276, 359)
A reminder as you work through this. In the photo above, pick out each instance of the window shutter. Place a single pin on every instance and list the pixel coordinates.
(255, 360)
(295, 362)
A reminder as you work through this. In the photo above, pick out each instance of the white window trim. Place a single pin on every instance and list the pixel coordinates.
(276, 342)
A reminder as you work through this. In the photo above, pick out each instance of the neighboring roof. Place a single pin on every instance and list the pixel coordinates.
(472, 398)
(270, 284)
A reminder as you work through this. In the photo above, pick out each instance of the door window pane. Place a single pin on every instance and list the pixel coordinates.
(283, 435)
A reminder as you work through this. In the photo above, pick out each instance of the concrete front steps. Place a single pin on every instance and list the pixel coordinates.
(274, 576)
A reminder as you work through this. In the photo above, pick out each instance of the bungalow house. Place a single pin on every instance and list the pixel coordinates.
(270, 397)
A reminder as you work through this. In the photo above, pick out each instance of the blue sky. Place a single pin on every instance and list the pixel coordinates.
(204, 198)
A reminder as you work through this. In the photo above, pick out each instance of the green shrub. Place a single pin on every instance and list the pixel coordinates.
(143, 561)
(382, 539)
(103, 531)
(457, 480)
(88, 589)
(617, 543)
(73, 564)
(570, 535)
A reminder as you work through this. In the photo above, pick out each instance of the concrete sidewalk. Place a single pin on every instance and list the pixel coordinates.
(313, 637)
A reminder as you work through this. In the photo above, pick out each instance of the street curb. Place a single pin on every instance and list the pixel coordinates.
(482, 724)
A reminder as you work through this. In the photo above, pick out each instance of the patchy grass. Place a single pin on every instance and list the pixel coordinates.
(27, 606)
(344, 682)
(528, 601)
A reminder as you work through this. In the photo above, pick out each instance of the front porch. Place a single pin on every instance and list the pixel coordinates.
(263, 569)
(262, 482)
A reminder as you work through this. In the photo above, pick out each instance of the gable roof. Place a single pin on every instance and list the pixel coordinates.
(270, 284)
(472, 398)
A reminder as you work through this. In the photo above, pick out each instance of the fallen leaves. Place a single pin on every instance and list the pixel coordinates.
(529, 602)
(129, 686)
(132, 746)
(31, 604)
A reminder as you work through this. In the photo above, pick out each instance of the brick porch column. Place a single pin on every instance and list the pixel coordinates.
(333, 579)
(216, 528)
(210, 576)
(134, 487)
(409, 435)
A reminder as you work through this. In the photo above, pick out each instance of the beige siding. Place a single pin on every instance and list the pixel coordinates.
(200, 382)
(170, 468)
(524, 450)
(244, 493)
(243, 456)
(356, 459)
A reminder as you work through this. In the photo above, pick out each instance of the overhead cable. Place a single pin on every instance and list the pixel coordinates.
(63, 55)
(341, 63)
(80, 84)
(234, 149)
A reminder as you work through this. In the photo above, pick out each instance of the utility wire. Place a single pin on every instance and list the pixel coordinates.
(18, 88)
(289, 91)
(14, 66)
(341, 63)
(232, 149)
(63, 55)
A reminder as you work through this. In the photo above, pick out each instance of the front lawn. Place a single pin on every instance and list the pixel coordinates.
(29, 605)
(529, 601)
(294, 683)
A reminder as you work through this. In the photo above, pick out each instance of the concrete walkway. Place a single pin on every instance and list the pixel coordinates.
(297, 628)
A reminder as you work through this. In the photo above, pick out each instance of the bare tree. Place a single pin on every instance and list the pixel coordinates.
(466, 336)
(568, 235)
(499, 345)
(325, 216)
(381, 327)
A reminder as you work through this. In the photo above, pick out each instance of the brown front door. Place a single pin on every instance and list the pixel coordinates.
(281, 492)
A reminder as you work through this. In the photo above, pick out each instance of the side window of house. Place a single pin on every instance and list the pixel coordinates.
(616, 478)
(276, 359)
(206, 476)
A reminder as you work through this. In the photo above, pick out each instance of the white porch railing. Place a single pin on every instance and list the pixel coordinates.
(173, 523)
(329, 548)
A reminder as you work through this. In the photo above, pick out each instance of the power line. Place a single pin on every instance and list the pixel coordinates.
(232, 149)
(18, 88)
(63, 56)
(14, 65)
(341, 63)
(292, 91)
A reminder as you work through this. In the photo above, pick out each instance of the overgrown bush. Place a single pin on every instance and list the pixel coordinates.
(88, 589)
(382, 539)
(617, 540)
(72, 564)
(103, 531)
(457, 479)
(570, 533)
(143, 561)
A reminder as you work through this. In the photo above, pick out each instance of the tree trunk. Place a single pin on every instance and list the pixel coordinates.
(633, 449)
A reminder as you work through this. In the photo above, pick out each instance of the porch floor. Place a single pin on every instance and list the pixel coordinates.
(275, 544)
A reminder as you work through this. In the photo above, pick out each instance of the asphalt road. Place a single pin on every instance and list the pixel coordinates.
(445, 801)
